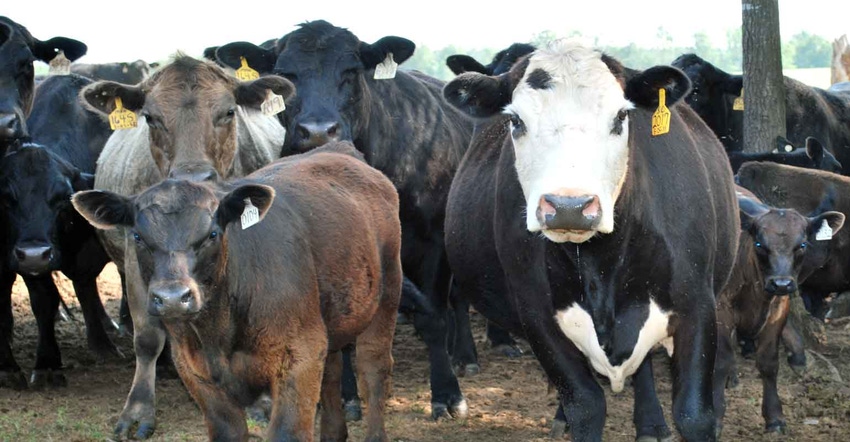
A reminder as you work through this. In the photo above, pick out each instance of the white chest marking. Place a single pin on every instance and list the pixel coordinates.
(577, 325)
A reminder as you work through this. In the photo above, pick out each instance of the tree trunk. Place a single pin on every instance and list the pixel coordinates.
(764, 99)
(840, 60)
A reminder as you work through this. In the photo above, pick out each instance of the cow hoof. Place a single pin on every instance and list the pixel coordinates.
(145, 430)
(41, 379)
(777, 427)
(797, 362)
(468, 370)
(508, 351)
(559, 429)
(13, 379)
(654, 433)
(106, 351)
(457, 411)
(353, 411)
(732, 381)
(147, 426)
(655, 439)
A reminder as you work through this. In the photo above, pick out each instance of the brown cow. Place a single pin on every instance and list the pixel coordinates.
(261, 308)
(198, 123)
(755, 302)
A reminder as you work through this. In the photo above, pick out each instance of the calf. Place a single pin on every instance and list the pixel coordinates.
(124, 72)
(531, 237)
(268, 308)
(755, 303)
(812, 156)
(197, 122)
(42, 231)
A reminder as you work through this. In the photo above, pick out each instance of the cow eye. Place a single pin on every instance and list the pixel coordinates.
(137, 238)
(759, 245)
(213, 234)
(518, 126)
(231, 112)
(803, 246)
(622, 114)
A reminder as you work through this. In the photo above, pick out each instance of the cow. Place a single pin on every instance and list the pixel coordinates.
(840, 88)
(533, 243)
(261, 308)
(43, 233)
(809, 111)
(755, 304)
(813, 156)
(18, 50)
(501, 63)
(124, 72)
(403, 127)
(197, 122)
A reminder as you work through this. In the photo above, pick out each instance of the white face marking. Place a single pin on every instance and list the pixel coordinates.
(577, 325)
(569, 146)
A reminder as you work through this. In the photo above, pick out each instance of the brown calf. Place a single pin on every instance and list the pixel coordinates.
(755, 302)
(268, 308)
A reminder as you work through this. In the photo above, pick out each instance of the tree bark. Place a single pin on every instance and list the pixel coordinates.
(764, 98)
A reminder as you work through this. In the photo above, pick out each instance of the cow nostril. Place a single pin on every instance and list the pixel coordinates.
(157, 300)
(186, 297)
(20, 254)
(302, 131)
(47, 255)
(333, 130)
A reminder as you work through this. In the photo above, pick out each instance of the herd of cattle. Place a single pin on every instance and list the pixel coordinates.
(574, 202)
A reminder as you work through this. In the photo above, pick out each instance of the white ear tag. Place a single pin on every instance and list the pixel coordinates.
(386, 69)
(273, 105)
(824, 233)
(251, 215)
(60, 65)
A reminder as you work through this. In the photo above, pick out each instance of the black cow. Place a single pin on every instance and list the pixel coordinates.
(809, 111)
(18, 49)
(404, 129)
(43, 233)
(501, 63)
(812, 156)
(532, 239)
(124, 72)
(840, 88)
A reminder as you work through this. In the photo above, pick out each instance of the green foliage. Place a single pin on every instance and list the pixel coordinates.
(809, 50)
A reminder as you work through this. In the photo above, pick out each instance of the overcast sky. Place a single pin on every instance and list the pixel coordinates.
(153, 29)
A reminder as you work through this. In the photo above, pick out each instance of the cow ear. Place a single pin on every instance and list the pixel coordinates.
(479, 95)
(783, 145)
(253, 93)
(835, 221)
(209, 53)
(104, 210)
(732, 84)
(464, 63)
(750, 210)
(814, 149)
(259, 59)
(153, 65)
(232, 206)
(100, 96)
(642, 88)
(47, 50)
(372, 54)
(83, 181)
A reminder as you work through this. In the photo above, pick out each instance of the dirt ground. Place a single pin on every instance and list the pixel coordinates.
(508, 400)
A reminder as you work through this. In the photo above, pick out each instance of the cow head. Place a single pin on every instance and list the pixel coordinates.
(35, 196)
(330, 67)
(569, 112)
(501, 63)
(822, 158)
(189, 107)
(781, 239)
(18, 50)
(179, 231)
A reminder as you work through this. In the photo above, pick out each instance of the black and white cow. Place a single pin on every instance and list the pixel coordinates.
(501, 63)
(569, 223)
(404, 129)
(809, 111)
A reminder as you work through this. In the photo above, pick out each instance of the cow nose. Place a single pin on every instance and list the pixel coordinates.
(34, 260)
(11, 127)
(781, 286)
(194, 175)
(317, 134)
(561, 212)
(172, 301)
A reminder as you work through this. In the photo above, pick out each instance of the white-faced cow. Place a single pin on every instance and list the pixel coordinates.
(403, 127)
(195, 122)
(568, 222)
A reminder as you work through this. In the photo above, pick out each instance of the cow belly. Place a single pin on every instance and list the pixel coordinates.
(577, 325)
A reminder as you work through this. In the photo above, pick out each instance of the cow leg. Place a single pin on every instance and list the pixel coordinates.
(333, 422)
(93, 312)
(648, 416)
(296, 391)
(767, 362)
(724, 367)
(225, 421)
(464, 354)
(795, 347)
(502, 342)
(350, 397)
(695, 347)
(125, 320)
(44, 300)
(10, 373)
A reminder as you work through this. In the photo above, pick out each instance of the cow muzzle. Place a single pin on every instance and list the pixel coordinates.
(780, 285)
(33, 259)
(564, 212)
(315, 134)
(12, 127)
(173, 301)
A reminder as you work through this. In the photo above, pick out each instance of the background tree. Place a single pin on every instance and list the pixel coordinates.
(810, 51)
(764, 96)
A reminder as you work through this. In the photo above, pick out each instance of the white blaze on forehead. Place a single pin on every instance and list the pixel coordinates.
(577, 326)
(569, 143)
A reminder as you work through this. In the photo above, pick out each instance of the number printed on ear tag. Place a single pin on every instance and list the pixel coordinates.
(661, 117)
(251, 215)
(273, 105)
(245, 73)
(122, 118)
(738, 104)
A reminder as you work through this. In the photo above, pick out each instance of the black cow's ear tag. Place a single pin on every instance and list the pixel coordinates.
(273, 105)
(738, 104)
(122, 118)
(824, 233)
(251, 215)
(60, 65)
(661, 117)
(386, 69)
(245, 73)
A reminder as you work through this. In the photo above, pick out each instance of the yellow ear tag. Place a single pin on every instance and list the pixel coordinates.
(738, 104)
(122, 118)
(245, 73)
(661, 117)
